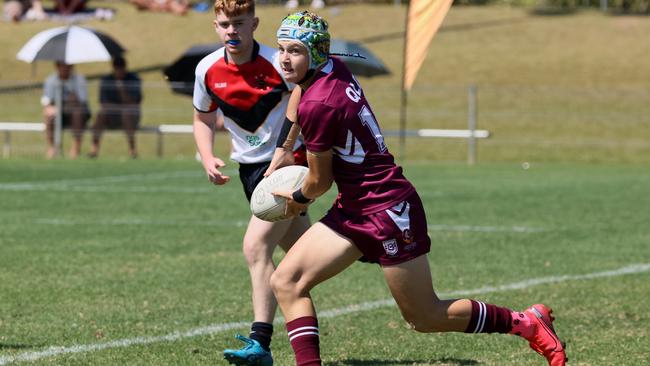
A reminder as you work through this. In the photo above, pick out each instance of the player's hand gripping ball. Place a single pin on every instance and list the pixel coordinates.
(266, 206)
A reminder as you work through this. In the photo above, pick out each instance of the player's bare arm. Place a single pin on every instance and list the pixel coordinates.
(204, 128)
(317, 182)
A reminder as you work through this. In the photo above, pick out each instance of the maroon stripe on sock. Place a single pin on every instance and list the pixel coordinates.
(305, 345)
(488, 318)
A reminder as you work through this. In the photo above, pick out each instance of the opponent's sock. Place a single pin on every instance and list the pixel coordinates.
(262, 332)
(522, 325)
(488, 318)
(303, 336)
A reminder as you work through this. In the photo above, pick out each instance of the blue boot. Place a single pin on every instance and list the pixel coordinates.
(252, 354)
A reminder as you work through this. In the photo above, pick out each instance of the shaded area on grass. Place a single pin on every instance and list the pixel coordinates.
(374, 362)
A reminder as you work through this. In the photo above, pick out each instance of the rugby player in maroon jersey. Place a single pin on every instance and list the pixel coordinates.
(377, 216)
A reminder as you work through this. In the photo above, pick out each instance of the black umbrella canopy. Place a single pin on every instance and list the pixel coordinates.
(181, 72)
(358, 58)
(72, 45)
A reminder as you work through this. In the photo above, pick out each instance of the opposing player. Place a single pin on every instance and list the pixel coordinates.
(377, 217)
(242, 84)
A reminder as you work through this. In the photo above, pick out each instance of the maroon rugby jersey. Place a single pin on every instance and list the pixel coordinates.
(334, 114)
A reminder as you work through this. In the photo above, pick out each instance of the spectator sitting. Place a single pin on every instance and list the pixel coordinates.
(15, 10)
(119, 97)
(178, 7)
(316, 4)
(74, 101)
(67, 7)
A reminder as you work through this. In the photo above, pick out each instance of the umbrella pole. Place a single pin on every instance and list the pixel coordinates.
(58, 120)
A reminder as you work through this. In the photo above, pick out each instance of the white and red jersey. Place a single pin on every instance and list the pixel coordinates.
(334, 114)
(252, 96)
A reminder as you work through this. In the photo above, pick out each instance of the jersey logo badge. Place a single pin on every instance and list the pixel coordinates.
(253, 140)
(390, 246)
(260, 82)
(220, 85)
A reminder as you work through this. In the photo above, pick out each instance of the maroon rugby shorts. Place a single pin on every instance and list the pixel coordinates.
(388, 237)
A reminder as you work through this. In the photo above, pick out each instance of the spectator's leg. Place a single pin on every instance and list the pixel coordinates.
(12, 10)
(291, 4)
(98, 129)
(179, 7)
(49, 114)
(318, 4)
(77, 124)
(130, 123)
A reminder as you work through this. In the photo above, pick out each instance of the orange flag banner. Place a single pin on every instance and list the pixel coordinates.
(424, 19)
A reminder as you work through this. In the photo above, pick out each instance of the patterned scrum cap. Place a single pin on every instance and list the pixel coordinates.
(311, 31)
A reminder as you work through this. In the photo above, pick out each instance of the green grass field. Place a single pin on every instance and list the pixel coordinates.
(139, 263)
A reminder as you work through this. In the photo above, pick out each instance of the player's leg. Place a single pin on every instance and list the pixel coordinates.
(410, 285)
(260, 241)
(297, 227)
(319, 254)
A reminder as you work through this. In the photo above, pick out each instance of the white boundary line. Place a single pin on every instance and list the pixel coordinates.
(366, 306)
(95, 180)
(81, 183)
(486, 229)
(240, 223)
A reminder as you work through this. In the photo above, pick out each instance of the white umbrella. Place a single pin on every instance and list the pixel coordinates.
(72, 45)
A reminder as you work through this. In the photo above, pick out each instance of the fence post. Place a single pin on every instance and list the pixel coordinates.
(159, 145)
(58, 119)
(6, 148)
(471, 123)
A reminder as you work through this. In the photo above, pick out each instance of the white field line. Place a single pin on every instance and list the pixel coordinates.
(106, 189)
(362, 307)
(241, 223)
(90, 183)
(98, 180)
(486, 229)
(137, 221)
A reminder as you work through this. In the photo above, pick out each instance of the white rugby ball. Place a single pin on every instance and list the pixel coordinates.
(264, 204)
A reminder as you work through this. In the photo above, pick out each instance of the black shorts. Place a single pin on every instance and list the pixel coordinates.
(66, 117)
(115, 121)
(250, 175)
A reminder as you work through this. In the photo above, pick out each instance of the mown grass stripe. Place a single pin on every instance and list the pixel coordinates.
(367, 306)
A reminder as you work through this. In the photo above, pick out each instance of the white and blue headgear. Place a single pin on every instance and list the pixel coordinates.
(311, 30)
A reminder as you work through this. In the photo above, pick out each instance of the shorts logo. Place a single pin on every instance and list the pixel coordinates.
(390, 246)
(220, 85)
(407, 235)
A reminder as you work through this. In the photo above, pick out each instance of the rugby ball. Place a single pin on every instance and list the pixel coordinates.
(264, 204)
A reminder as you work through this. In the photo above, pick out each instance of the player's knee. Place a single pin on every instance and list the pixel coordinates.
(288, 284)
(255, 251)
(282, 284)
